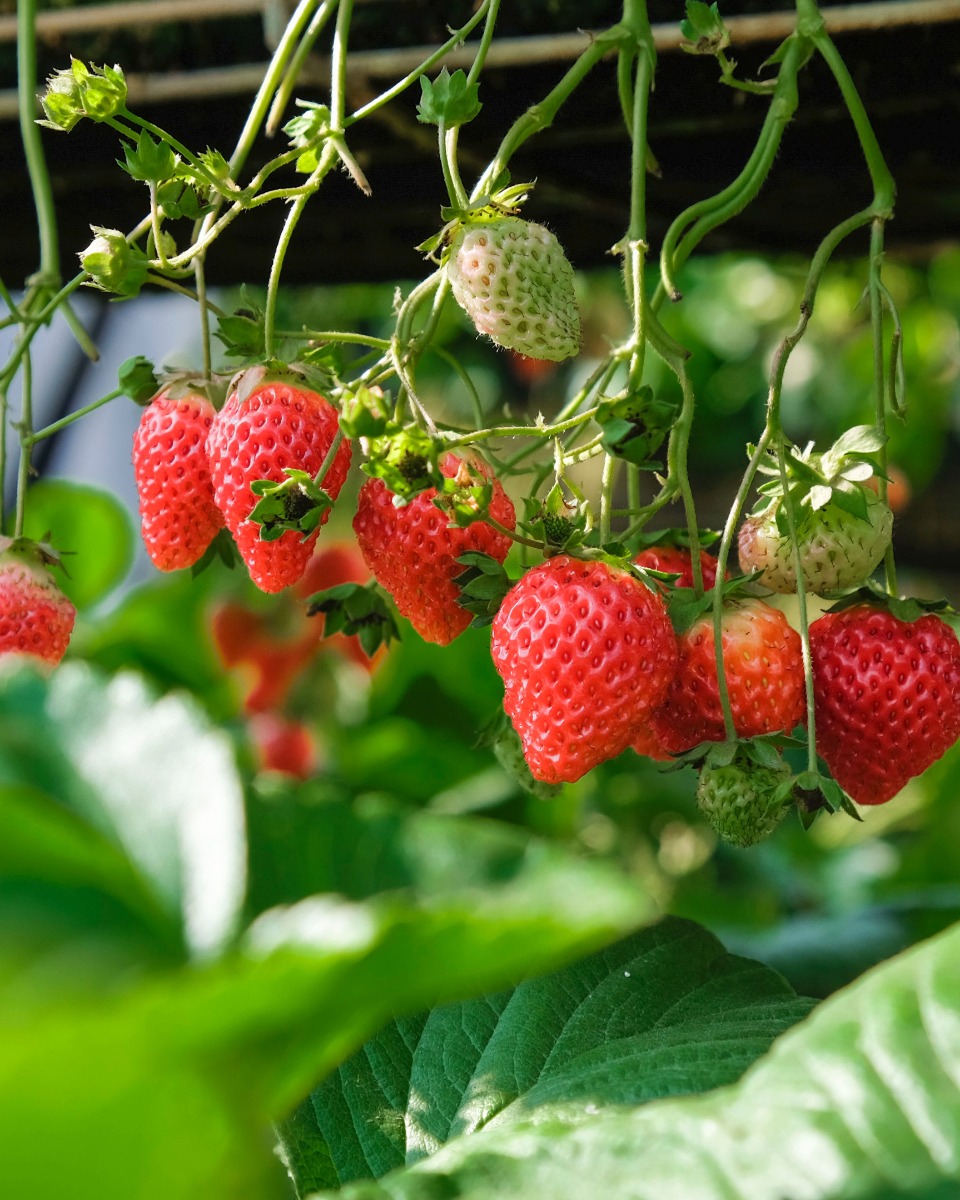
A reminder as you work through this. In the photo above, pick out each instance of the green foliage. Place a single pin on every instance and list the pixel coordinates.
(90, 528)
(663, 1012)
(869, 1080)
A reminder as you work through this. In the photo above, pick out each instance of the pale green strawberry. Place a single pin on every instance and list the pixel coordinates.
(742, 800)
(837, 549)
(508, 750)
(513, 280)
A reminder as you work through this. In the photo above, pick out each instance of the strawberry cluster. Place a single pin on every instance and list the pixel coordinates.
(194, 468)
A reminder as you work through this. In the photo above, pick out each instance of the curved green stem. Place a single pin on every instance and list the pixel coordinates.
(32, 144)
(447, 144)
(292, 73)
(49, 430)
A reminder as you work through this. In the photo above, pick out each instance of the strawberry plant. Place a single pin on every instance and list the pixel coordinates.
(263, 937)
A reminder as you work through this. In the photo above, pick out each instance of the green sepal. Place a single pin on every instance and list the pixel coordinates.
(482, 586)
(500, 735)
(297, 505)
(177, 198)
(138, 380)
(904, 608)
(222, 548)
(635, 425)
(243, 334)
(113, 264)
(449, 100)
(464, 502)
(678, 536)
(406, 459)
(366, 413)
(816, 792)
(150, 160)
(307, 133)
(560, 524)
(684, 606)
(358, 610)
(704, 28)
(81, 91)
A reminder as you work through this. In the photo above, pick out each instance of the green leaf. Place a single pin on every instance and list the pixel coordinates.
(663, 1012)
(861, 1099)
(90, 528)
(149, 774)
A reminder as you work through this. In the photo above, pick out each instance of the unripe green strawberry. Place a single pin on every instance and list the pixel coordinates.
(178, 515)
(743, 801)
(586, 653)
(276, 427)
(36, 618)
(837, 549)
(508, 751)
(513, 280)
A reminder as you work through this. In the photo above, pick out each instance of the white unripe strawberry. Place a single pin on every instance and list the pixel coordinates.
(837, 549)
(513, 280)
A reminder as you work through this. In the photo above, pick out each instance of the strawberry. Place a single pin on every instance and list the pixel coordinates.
(36, 618)
(513, 280)
(678, 561)
(887, 697)
(837, 549)
(178, 514)
(586, 653)
(646, 742)
(412, 550)
(339, 563)
(764, 672)
(283, 745)
(268, 663)
(743, 801)
(277, 426)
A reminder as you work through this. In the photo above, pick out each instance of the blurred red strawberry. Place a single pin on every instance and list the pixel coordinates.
(283, 745)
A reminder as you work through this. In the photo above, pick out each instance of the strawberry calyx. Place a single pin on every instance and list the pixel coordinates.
(38, 557)
(561, 525)
(297, 505)
(482, 586)
(684, 606)
(299, 374)
(837, 476)
(635, 425)
(356, 609)
(904, 608)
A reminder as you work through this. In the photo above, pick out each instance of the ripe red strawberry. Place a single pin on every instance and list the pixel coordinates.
(764, 672)
(837, 549)
(283, 745)
(258, 436)
(178, 514)
(679, 561)
(267, 662)
(647, 743)
(513, 280)
(36, 618)
(412, 550)
(586, 653)
(887, 695)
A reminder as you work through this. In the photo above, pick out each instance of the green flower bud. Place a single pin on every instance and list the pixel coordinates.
(112, 264)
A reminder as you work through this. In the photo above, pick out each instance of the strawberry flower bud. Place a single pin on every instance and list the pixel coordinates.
(81, 91)
(113, 264)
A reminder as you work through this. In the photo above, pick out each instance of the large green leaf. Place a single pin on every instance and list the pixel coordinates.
(662, 1012)
(150, 775)
(92, 529)
(175, 1080)
(860, 1100)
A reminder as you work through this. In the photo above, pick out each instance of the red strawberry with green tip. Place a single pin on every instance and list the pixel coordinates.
(764, 673)
(261, 434)
(412, 549)
(586, 652)
(887, 697)
(178, 514)
(36, 618)
(678, 560)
